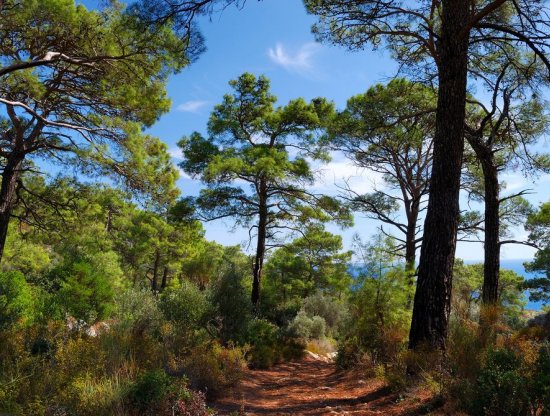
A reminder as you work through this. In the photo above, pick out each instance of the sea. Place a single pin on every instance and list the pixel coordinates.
(516, 265)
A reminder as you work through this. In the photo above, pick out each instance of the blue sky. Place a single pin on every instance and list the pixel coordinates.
(273, 37)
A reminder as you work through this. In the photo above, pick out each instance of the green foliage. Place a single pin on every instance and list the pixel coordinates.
(268, 345)
(229, 294)
(149, 388)
(16, 299)
(105, 84)
(308, 328)
(379, 312)
(467, 286)
(25, 255)
(312, 262)
(538, 225)
(334, 310)
(137, 310)
(186, 307)
(500, 387)
(84, 292)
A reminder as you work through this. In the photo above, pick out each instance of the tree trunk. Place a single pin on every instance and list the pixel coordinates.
(410, 251)
(491, 268)
(410, 258)
(260, 246)
(432, 301)
(154, 282)
(164, 279)
(10, 176)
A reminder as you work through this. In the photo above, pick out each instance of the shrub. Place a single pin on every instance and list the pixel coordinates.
(500, 387)
(541, 380)
(137, 310)
(185, 306)
(334, 311)
(269, 346)
(152, 386)
(229, 294)
(192, 404)
(307, 328)
(263, 339)
(215, 368)
(16, 301)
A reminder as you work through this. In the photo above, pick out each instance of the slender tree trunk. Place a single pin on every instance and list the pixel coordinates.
(154, 282)
(491, 268)
(260, 247)
(164, 279)
(432, 302)
(410, 259)
(10, 176)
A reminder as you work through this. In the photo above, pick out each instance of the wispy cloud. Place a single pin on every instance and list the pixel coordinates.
(298, 61)
(191, 106)
(176, 153)
(333, 177)
(183, 174)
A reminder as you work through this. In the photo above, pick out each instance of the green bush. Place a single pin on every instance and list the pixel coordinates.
(186, 307)
(152, 386)
(334, 311)
(262, 336)
(541, 379)
(137, 310)
(306, 327)
(230, 296)
(269, 345)
(500, 387)
(16, 299)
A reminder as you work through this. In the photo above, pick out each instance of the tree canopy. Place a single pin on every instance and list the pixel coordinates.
(255, 165)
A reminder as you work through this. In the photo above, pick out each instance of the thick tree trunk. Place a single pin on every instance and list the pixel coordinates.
(432, 300)
(10, 176)
(260, 247)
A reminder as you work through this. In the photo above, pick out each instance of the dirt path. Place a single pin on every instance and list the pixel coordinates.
(313, 387)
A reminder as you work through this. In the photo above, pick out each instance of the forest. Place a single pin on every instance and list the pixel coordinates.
(114, 300)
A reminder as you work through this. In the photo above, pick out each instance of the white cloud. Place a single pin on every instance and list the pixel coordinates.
(183, 174)
(515, 182)
(176, 153)
(300, 61)
(334, 176)
(191, 106)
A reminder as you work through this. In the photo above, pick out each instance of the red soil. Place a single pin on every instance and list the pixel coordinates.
(314, 388)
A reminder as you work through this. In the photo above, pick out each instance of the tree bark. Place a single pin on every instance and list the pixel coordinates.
(260, 246)
(154, 281)
(410, 255)
(432, 302)
(10, 176)
(491, 268)
(164, 279)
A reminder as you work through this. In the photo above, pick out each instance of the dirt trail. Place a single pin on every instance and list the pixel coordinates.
(314, 387)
